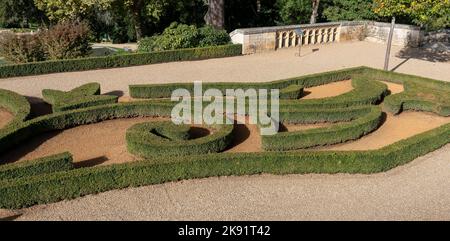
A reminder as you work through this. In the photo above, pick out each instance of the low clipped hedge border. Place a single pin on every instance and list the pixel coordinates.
(47, 67)
(49, 164)
(407, 100)
(410, 99)
(156, 139)
(146, 91)
(47, 188)
(338, 133)
(17, 104)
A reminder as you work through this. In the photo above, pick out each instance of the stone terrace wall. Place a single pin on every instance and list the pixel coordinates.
(268, 38)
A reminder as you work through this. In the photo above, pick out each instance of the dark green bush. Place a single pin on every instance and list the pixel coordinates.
(84, 96)
(178, 36)
(210, 36)
(125, 60)
(156, 139)
(49, 164)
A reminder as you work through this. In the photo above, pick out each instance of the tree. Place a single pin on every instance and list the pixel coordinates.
(315, 11)
(430, 14)
(350, 10)
(294, 11)
(57, 10)
(216, 14)
(19, 13)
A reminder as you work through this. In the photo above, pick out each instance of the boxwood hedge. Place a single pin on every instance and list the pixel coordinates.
(50, 187)
(146, 91)
(338, 133)
(49, 164)
(156, 139)
(57, 66)
(17, 104)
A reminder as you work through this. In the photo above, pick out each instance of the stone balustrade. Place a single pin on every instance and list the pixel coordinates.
(322, 34)
(272, 38)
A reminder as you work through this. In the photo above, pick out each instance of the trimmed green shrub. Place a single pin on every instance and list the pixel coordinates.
(420, 97)
(17, 104)
(49, 164)
(146, 91)
(156, 139)
(338, 133)
(114, 61)
(291, 92)
(84, 96)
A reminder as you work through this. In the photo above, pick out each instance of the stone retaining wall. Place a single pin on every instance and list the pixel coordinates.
(267, 38)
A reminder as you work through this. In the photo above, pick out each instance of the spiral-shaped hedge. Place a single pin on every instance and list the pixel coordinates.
(156, 139)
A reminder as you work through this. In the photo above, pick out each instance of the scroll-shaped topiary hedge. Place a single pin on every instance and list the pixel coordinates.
(156, 139)
(284, 141)
(84, 96)
(59, 185)
(421, 97)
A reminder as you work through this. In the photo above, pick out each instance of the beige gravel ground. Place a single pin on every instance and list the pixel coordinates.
(258, 67)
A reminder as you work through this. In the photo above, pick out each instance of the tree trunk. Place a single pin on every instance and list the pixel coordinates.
(216, 14)
(315, 11)
(136, 8)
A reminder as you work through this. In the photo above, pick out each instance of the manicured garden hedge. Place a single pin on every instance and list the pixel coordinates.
(157, 139)
(49, 164)
(47, 67)
(338, 133)
(71, 184)
(17, 104)
(51, 187)
(146, 91)
(81, 97)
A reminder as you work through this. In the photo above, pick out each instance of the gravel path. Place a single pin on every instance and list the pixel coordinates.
(258, 67)
(416, 191)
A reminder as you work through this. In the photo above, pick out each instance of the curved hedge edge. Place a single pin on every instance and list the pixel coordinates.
(48, 164)
(146, 91)
(53, 97)
(86, 95)
(79, 182)
(365, 92)
(338, 133)
(134, 59)
(17, 104)
(156, 139)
